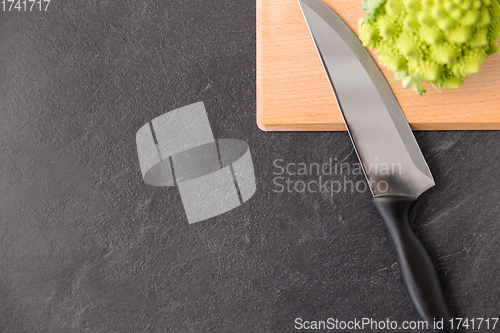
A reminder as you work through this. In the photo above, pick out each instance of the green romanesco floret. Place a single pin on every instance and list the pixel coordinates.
(438, 41)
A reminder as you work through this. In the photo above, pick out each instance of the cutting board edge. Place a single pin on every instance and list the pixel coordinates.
(315, 127)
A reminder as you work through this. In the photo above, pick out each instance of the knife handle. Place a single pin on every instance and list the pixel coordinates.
(418, 272)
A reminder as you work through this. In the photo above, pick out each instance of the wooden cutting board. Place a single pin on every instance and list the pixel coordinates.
(293, 93)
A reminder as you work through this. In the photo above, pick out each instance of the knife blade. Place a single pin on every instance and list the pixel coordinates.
(383, 140)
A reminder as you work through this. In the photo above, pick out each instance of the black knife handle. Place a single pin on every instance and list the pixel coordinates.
(417, 270)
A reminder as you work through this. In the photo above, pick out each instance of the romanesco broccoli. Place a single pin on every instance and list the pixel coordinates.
(439, 41)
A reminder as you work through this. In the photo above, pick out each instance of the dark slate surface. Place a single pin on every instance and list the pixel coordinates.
(86, 246)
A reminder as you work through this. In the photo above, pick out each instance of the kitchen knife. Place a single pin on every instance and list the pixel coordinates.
(389, 154)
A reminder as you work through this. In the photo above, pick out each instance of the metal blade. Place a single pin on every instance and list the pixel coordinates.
(390, 156)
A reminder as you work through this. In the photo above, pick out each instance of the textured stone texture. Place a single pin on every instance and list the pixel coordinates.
(87, 246)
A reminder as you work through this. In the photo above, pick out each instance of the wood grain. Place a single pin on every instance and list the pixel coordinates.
(293, 93)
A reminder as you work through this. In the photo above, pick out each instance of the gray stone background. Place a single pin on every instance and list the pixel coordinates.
(87, 246)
